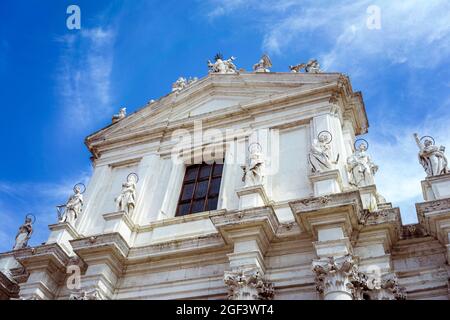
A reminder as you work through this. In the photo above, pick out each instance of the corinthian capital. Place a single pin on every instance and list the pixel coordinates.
(387, 288)
(338, 278)
(248, 284)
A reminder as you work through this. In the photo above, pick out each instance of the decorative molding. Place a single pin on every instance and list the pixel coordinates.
(87, 295)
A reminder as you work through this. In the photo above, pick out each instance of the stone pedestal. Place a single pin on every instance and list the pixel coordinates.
(119, 222)
(252, 197)
(369, 197)
(327, 182)
(435, 188)
(61, 234)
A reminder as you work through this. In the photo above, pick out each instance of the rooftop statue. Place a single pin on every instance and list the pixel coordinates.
(253, 171)
(126, 201)
(361, 167)
(72, 209)
(320, 153)
(182, 83)
(263, 64)
(222, 66)
(312, 66)
(431, 157)
(24, 233)
(122, 114)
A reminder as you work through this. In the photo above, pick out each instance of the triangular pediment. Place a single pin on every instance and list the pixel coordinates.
(212, 95)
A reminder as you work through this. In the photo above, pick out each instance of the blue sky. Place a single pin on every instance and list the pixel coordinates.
(59, 85)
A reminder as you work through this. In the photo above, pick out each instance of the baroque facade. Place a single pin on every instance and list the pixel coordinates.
(239, 185)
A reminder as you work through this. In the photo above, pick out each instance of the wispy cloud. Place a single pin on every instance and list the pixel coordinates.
(414, 32)
(84, 78)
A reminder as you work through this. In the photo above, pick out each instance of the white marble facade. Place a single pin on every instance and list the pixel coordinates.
(296, 234)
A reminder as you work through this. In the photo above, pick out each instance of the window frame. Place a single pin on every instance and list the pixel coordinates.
(196, 182)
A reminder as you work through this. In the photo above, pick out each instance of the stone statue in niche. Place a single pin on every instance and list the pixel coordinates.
(319, 156)
(360, 166)
(24, 233)
(121, 115)
(263, 64)
(126, 201)
(222, 66)
(253, 171)
(431, 157)
(72, 209)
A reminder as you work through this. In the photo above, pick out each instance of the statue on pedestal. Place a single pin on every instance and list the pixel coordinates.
(253, 172)
(24, 233)
(222, 66)
(431, 157)
(320, 153)
(72, 209)
(126, 201)
(263, 64)
(360, 166)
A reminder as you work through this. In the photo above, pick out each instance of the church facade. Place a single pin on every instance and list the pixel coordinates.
(240, 185)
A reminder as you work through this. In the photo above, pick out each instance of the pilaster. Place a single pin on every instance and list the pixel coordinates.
(250, 231)
(105, 256)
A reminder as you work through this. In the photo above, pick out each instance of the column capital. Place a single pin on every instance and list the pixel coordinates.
(248, 284)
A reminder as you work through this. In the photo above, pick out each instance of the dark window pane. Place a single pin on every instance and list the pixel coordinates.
(212, 203)
(202, 188)
(198, 206)
(214, 187)
(205, 171)
(218, 168)
(183, 209)
(188, 189)
(191, 173)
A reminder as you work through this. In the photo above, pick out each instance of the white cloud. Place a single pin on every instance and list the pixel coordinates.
(84, 83)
